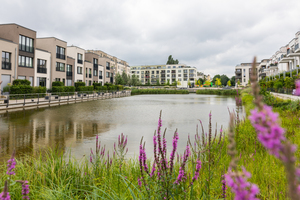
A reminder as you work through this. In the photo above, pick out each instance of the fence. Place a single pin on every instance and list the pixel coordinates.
(36, 99)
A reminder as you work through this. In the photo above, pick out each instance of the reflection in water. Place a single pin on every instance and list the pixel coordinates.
(75, 126)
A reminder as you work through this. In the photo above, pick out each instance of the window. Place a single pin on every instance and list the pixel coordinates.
(64, 81)
(168, 75)
(60, 52)
(79, 70)
(100, 73)
(179, 75)
(179, 79)
(168, 71)
(90, 83)
(95, 72)
(157, 72)
(25, 44)
(79, 58)
(152, 72)
(107, 65)
(169, 67)
(107, 74)
(41, 81)
(185, 71)
(174, 66)
(60, 66)
(69, 70)
(25, 61)
(78, 80)
(179, 71)
(95, 61)
(6, 57)
(57, 79)
(41, 66)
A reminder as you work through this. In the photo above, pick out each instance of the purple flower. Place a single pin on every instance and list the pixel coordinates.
(240, 187)
(11, 165)
(198, 167)
(153, 170)
(270, 134)
(139, 182)
(297, 84)
(25, 190)
(4, 196)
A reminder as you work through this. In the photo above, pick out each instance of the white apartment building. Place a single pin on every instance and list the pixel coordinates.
(78, 54)
(243, 73)
(42, 68)
(165, 73)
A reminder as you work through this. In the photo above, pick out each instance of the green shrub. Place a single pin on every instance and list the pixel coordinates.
(21, 89)
(79, 84)
(6, 88)
(57, 83)
(97, 85)
(21, 82)
(56, 89)
(85, 88)
(39, 89)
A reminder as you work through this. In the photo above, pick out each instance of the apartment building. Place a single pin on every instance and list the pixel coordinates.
(94, 59)
(78, 69)
(58, 50)
(42, 68)
(88, 78)
(8, 61)
(165, 73)
(262, 69)
(243, 73)
(26, 38)
(70, 71)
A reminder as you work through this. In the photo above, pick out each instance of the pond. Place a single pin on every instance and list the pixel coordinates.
(74, 127)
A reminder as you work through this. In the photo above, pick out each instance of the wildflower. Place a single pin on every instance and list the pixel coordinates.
(240, 186)
(25, 190)
(198, 167)
(270, 134)
(139, 182)
(297, 84)
(224, 188)
(11, 164)
(5, 194)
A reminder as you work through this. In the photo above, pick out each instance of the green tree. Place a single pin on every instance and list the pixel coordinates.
(125, 78)
(134, 80)
(119, 79)
(238, 83)
(218, 82)
(207, 83)
(157, 82)
(215, 78)
(232, 80)
(224, 79)
(168, 82)
(171, 60)
(229, 83)
(189, 83)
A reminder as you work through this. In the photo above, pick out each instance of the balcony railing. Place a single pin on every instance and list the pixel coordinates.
(79, 61)
(96, 66)
(42, 70)
(69, 73)
(26, 48)
(6, 65)
(107, 68)
(60, 56)
(100, 77)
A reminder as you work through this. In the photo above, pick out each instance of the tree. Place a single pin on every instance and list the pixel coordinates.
(229, 83)
(178, 82)
(134, 80)
(171, 60)
(168, 82)
(119, 79)
(215, 78)
(207, 83)
(232, 80)
(125, 78)
(189, 83)
(224, 79)
(218, 82)
(238, 83)
(157, 82)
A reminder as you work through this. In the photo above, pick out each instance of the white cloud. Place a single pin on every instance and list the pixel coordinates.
(213, 36)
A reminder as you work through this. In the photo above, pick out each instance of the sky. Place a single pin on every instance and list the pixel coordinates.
(212, 35)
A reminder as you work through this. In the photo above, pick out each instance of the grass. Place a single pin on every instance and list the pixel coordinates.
(157, 91)
(52, 175)
(217, 91)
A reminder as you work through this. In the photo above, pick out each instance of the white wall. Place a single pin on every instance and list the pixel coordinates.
(44, 55)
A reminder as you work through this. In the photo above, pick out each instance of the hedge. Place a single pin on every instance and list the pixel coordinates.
(85, 88)
(57, 83)
(97, 85)
(70, 89)
(21, 89)
(218, 92)
(21, 82)
(79, 84)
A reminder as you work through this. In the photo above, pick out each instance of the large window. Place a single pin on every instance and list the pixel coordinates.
(107, 65)
(90, 73)
(25, 61)
(6, 57)
(25, 44)
(41, 66)
(60, 52)
(41, 81)
(79, 70)
(107, 74)
(69, 70)
(79, 58)
(95, 72)
(60, 66)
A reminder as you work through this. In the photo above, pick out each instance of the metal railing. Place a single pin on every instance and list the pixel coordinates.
(20, 100)
(6, 65)
(41, 70)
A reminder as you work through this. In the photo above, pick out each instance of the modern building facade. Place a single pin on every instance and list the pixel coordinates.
(165, 74)
(44, 60)
(243, 73)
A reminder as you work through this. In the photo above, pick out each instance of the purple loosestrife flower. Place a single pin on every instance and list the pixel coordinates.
(139, 182)
(5, 194)
(25, 190)
(240, 187)
(198, 167)
(180, 176)
(297, 84)
(11, 164)
(181, 169)
(224, 188)
(153, 170)
(270, 134)
(172, 155)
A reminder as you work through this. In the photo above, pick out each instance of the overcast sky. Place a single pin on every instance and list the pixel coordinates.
(212, 35)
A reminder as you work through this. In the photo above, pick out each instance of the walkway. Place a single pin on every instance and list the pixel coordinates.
(285, 96)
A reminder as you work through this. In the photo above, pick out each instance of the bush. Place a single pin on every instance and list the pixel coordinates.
(79, 84)
(6, 88)
(85, 88)
(218, 92)
(97, 85)
(39, 89)
(21, 82)
(56, 89)
(21, 89)
(57, 83)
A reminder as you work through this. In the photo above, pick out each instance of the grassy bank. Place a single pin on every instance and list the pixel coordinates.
(217, 91)
(52, 176)
(157, 91)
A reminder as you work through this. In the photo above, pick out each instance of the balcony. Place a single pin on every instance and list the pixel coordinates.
(41, 70)
(79, 61)
(60, 56)
(6, 65)
(69, 73)
(100, 77)
(238, 76)
(297, 49)
(262, 74)
(238, 71)
(26, 48)
(289, 52)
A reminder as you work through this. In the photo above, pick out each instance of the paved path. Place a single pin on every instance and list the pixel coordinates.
(286, 96)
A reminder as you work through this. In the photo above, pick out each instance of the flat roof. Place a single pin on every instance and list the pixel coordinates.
(17, 25)
(7, 40)
(76, 47)
(50, 38)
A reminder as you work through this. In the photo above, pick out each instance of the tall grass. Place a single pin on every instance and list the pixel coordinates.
(157, 91)
(217, 91)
